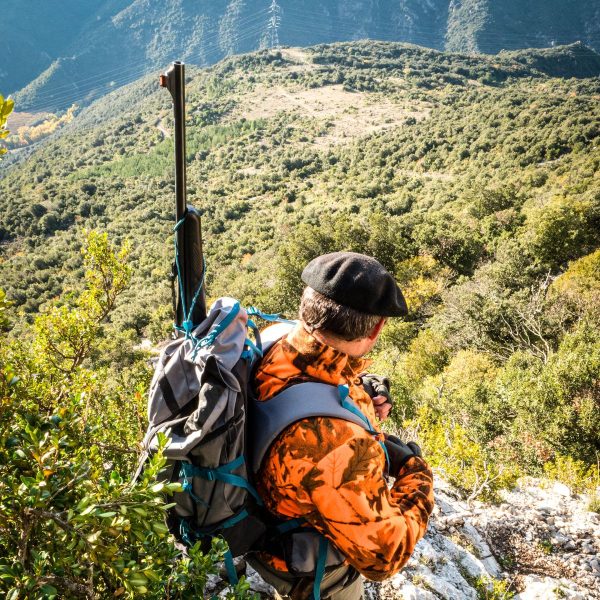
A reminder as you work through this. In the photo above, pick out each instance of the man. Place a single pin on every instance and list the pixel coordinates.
(329, 471)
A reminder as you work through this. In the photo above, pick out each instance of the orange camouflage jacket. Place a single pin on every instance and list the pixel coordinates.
(331, 471)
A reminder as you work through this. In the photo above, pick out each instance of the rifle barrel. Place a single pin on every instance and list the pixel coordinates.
(189, 235)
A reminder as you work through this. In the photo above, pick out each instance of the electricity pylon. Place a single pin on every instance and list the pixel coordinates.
(275, 13)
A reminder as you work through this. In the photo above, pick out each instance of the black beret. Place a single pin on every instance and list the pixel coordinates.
(357, 281)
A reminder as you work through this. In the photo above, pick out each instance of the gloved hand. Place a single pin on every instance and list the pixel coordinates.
(378, 387)
(399, 453)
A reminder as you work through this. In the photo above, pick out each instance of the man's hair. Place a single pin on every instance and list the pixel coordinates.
(322, 313)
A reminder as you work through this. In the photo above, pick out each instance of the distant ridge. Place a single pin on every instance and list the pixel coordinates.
(68, 51)
(574, 60)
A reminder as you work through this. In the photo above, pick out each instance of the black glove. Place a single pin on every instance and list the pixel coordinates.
(376, 385)
(399, 453)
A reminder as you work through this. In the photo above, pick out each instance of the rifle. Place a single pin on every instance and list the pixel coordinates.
(189, 267)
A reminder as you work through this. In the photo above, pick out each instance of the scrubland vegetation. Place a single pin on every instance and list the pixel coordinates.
(485, 206)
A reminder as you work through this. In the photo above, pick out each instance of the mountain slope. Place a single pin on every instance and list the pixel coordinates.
(490, 26)
(269, 135)
(61, 53)
(32, 36)
(574, 60)
(473, 179)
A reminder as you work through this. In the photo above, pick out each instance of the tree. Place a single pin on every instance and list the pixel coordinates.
(6, 107)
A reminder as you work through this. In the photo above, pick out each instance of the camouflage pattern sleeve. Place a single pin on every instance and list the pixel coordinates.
(331, 472)
(374, 527)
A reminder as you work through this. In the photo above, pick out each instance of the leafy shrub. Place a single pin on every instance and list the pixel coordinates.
(462, 461)
(576, 474)
(6, 107)
(563, 230)
(73, 523)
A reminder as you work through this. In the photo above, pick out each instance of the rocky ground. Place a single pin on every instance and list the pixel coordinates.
(541, 543)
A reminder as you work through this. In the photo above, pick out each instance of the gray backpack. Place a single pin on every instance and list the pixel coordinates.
(201, 398)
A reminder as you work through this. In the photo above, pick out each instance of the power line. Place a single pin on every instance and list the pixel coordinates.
(103, 76)
(302, 24)
(79, 89)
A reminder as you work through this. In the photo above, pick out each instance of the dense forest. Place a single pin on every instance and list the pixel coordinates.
(473, 179)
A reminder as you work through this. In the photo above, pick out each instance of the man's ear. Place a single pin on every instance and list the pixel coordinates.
(377, 329)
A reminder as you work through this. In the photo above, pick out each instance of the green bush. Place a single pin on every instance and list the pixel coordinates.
(463, 462)
(71, 416)
(576, 474)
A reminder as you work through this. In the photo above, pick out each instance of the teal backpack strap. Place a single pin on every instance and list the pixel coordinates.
(320, 570)
(230, 567)
(349, 405)
(222, 473)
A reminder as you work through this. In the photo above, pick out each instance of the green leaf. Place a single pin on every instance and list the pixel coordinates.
(174, 487)
(152, 575)
(160, 528)
(94, 537)
(138, 579)
(49, 591)
(88, 510)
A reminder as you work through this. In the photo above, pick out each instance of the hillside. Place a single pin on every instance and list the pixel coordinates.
(574, 60)
(272, 140)
(464, 160)
(474, 179)
(490, 26)
(60, 53)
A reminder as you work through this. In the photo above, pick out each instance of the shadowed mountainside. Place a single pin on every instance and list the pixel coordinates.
(61, 53)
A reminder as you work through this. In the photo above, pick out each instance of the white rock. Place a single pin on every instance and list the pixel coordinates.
(406, 591)
(561, 489)
(547, 588)
(450, 585)
(257, 583)
(570, 545)
(559, 539)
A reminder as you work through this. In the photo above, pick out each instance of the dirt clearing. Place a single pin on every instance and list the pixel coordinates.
(347, 114)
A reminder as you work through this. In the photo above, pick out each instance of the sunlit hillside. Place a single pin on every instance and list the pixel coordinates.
(473, 179)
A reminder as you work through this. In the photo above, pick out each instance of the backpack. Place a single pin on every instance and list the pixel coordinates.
(201, 398)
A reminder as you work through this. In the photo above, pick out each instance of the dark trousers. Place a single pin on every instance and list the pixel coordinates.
(339, 583)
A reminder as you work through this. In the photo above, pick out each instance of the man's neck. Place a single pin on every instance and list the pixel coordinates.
(355, 348)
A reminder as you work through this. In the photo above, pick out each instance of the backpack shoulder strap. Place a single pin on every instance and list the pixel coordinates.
(269, 418)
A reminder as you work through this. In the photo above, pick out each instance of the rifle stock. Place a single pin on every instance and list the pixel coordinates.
(189, 232)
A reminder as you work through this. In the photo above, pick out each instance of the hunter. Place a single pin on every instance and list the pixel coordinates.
(330, 472)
